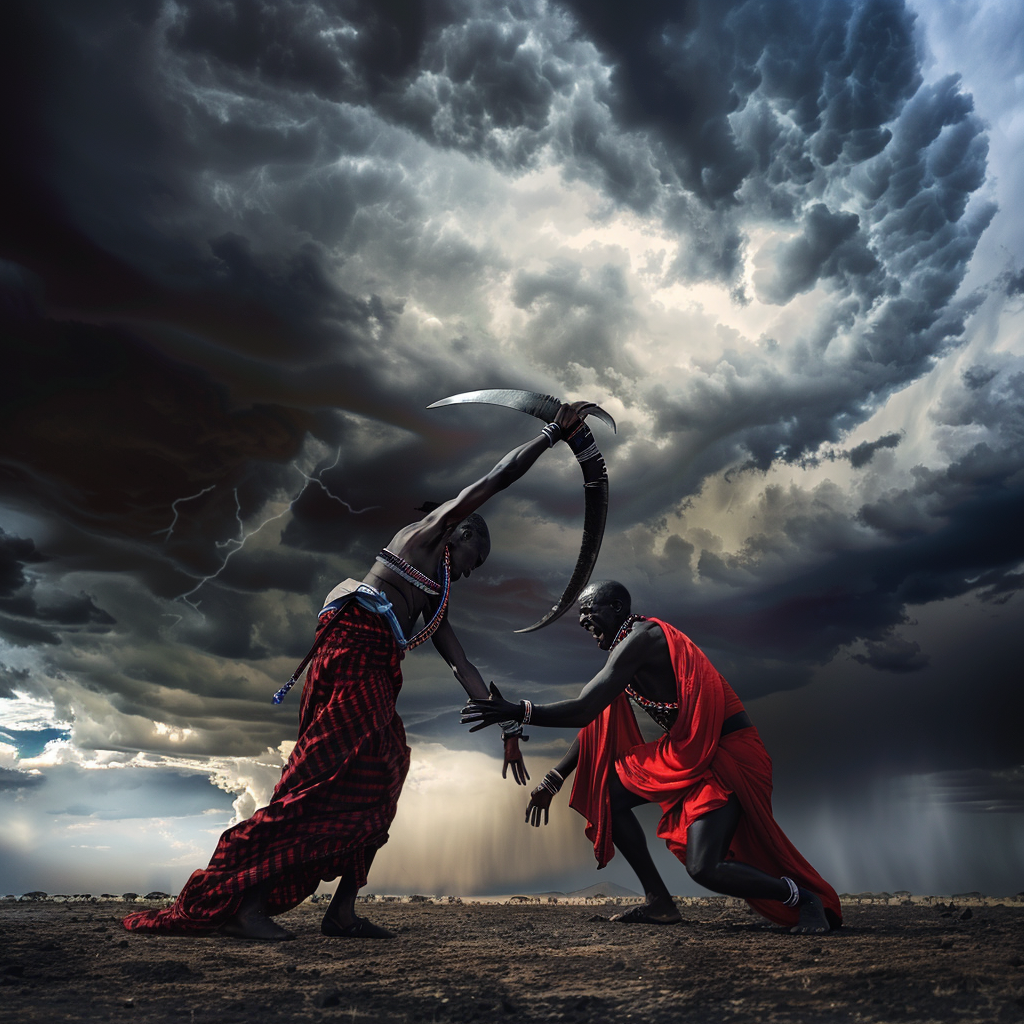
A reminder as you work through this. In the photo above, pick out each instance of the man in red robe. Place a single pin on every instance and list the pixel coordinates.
(709, 771)
(338, 793)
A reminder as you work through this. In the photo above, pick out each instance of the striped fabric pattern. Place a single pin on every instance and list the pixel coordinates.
(337, 795)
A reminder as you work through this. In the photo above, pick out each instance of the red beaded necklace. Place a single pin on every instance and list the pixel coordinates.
(625, 629)
(651, 705)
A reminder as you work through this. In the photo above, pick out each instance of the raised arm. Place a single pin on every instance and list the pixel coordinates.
(450, 513)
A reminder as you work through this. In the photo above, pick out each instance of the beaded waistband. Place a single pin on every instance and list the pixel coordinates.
(653, 705)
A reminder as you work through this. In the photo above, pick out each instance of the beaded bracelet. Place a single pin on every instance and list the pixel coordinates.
(552, 782)
(527, 707)
(553, 432)
(511, 728)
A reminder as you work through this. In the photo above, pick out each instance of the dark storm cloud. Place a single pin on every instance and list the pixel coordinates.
(902, 260)
(15, 554)
(578, 317)
(23, 634)
(113, 433)
(954, 532)
(166, 383)
(863, 453)
(679, 74)
(25, 618)
(269, 570)
(752, 99)
(80, 611)
(198, 179)
(894, 654)
(830, 246)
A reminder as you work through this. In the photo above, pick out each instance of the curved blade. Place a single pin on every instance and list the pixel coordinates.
(543, 407)
(596, 495)
(595, 481)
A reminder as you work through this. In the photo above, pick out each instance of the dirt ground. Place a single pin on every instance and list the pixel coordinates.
(520, 962)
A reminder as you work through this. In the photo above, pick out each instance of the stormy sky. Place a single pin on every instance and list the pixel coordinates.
(245, 244)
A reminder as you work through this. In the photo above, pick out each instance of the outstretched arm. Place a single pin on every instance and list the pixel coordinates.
(446, 643)
(622, 665)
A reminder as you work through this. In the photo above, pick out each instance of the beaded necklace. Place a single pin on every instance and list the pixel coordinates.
(408, 571)
(625, 629)
(431, 627)
(662, 713)
(371, 598)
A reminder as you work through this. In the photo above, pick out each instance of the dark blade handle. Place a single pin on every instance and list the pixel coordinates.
(595, 493)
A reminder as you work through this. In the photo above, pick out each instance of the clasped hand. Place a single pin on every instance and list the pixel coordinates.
(490, 710)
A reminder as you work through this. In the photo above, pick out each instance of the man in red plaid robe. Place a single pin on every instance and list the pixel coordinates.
(338, 793)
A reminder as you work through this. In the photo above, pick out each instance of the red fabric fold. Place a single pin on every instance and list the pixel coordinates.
(337, 795)
(610, 734)
(690, 771)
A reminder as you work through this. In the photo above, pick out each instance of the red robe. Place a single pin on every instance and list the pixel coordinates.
(690, 771)
(337, 795)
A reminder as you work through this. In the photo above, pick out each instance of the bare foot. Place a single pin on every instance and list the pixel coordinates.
(812, 916)
(251, 924)
(654, 912)
(357, 928)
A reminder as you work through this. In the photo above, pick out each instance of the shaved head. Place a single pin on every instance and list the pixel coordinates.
(604, 592)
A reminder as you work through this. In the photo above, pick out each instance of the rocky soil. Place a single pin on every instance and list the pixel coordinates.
(517, 962)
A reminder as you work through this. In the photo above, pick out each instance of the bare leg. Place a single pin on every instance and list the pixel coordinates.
(707, 847)
(251, 920)
(341, 920)
(630, 841)
(342, 909)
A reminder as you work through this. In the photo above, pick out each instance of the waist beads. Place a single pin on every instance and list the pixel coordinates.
(664, 714)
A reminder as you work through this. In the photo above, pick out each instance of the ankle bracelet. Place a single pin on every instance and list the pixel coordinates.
(794, 893)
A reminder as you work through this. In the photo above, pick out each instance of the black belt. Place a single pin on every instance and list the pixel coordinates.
(741, 720)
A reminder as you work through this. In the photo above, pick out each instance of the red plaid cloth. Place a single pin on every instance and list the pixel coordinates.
(337, 795)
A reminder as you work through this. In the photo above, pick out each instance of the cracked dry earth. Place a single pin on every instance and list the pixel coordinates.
(520, 963)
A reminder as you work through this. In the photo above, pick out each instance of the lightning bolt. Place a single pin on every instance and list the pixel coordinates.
(235, 544)
(174, 508)
(323, 487)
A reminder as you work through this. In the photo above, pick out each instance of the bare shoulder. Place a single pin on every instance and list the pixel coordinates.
(414, 541)
(646, 640)
(650, 637)
(435, 528)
